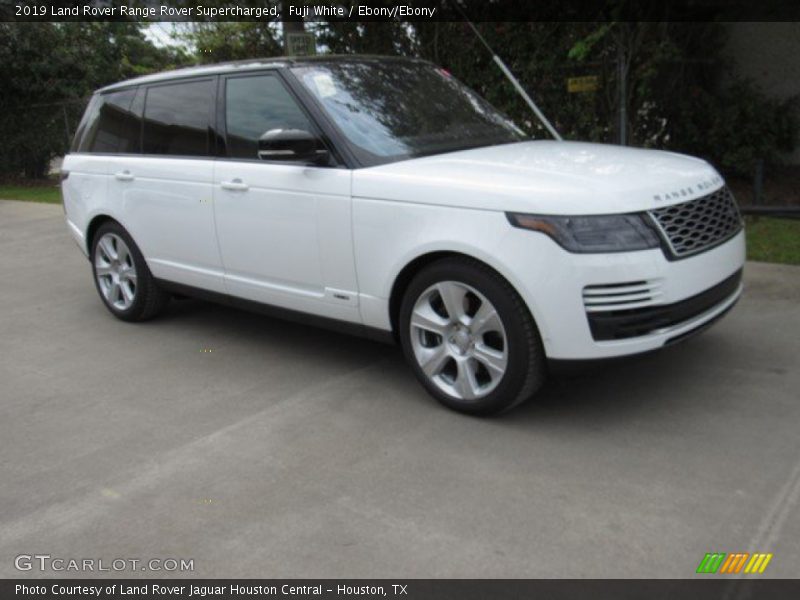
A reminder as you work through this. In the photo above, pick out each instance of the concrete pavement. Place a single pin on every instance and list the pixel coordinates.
(260, 448)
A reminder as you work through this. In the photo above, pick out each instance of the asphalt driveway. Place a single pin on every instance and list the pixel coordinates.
(260, 448)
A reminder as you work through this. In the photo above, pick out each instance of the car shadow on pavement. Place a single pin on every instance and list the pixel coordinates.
(578, 391)
(608, 390)
(238, 325)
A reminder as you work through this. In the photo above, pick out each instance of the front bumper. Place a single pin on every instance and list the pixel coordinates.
(590, 306)
(625, 323)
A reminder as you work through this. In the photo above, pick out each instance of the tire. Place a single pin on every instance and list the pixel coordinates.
(121, 275)
(476, 363)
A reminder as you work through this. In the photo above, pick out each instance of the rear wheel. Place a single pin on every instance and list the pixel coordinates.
(122, 277)
(469, 338)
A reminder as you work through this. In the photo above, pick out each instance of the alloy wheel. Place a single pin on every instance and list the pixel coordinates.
(459, 340)
(115, 271)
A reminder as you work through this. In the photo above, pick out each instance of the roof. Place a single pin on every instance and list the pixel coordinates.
(252, 64)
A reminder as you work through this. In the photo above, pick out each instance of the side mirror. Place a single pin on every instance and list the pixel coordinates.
(291, 145)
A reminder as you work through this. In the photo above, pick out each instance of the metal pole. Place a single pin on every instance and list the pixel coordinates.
(510, 76)
(623, 93)
(525, 97)
(758, 182)
(66, 124)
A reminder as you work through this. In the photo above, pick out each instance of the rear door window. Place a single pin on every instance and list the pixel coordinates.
(177, 118)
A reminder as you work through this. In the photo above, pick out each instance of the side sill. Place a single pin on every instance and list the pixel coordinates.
(356, 329)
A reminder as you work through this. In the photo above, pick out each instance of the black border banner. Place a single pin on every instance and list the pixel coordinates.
(718, 588)
(402, 10)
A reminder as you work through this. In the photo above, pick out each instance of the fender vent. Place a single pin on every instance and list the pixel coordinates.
(619, 296)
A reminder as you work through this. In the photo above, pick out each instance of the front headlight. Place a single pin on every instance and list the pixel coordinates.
(592, 234)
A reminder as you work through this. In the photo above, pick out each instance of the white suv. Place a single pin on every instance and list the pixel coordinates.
(382, 195)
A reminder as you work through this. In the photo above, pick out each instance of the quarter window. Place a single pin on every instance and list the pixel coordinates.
(114, 124)
(255, 105)
(88, 121)
(176, 118)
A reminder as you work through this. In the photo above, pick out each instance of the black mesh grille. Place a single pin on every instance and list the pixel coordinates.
(692, 227)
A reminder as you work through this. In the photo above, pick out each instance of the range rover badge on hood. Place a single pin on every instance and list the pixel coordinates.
(690, 190)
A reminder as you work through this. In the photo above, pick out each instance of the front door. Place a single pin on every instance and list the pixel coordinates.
(284, 230)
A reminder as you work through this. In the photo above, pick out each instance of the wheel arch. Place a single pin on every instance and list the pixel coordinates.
(94, 224)
(410, 270)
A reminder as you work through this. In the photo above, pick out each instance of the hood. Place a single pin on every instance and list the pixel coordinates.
(546, 177)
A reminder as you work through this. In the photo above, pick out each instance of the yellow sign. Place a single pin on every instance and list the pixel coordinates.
(577, 85)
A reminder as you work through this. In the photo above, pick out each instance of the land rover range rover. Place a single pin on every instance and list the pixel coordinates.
(382, 194)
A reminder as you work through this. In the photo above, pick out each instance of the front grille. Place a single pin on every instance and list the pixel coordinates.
(700, 224)
(635, 322)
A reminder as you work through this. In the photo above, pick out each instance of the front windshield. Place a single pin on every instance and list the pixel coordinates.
(394, 110)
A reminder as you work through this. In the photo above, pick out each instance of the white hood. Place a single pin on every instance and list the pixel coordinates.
(546, 177)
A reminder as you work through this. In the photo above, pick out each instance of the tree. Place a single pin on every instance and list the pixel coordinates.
(226, 41)
(674, 98)
(47, 72)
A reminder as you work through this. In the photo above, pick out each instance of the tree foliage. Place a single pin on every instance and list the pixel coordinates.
(226, 41)
(47, 72)
(674, 97)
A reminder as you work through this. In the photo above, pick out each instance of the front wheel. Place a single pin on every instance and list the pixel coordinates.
(469, 338)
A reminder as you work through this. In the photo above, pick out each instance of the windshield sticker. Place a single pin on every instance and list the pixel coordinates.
(324, 84)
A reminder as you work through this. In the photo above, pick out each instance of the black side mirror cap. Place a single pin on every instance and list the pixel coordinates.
(292, 145)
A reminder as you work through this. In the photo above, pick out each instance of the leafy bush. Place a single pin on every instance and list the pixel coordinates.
(675, 99)
(736, 127)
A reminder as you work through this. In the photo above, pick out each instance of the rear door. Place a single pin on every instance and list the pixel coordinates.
(163, 188)
(284, 229)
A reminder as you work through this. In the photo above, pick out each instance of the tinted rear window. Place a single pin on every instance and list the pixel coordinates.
(176, 118)
(112, 124)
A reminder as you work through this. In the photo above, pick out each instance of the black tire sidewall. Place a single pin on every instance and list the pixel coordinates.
(499, 293)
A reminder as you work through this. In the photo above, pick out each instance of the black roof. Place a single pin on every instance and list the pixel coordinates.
(255, 64)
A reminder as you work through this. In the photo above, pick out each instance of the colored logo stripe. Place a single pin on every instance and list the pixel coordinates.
(733, 563)
(711, 562)
(758, 563)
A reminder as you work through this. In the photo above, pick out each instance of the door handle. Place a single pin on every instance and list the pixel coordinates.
(236, 185)
(124, 175)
